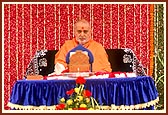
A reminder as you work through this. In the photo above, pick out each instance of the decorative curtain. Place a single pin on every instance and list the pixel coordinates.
(32, 27)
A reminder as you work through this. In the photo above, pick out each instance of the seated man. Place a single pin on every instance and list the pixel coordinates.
(82, 31)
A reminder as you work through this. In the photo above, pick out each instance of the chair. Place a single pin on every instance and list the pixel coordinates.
(122, 60)
(42, 63)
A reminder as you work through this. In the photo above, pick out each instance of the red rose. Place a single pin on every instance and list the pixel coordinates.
(44, 77)
(70, 92)
(80, 80)
(82, 108)
(74, 108)
(60, 106)
(87, 93)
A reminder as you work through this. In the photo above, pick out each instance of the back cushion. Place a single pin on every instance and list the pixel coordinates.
(120, 60)
(46, 68)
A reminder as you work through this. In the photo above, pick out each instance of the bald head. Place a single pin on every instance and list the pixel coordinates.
(82, 31)
(82, 21)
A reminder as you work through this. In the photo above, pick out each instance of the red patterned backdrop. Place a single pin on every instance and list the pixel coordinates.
(31, 27)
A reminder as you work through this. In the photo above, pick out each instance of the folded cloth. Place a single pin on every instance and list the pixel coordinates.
(34, 77)
(122, 74)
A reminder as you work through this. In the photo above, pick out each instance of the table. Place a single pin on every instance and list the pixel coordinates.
(115, 93)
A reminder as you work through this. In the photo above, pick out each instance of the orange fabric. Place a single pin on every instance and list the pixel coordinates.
(100, 63)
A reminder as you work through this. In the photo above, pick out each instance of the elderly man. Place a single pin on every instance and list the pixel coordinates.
(82, 31)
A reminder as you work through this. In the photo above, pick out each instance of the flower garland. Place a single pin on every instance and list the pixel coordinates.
(79, 98)
(151, 39)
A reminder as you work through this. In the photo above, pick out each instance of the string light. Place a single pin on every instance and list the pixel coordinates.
(8, 74)
(31, 31)
(140, 33)
(92, 21)
(23, 40)
(103, 26)
(134, 29)
(37, 29)
(55, 27)
(44, 28)
(68, 23)
(125, 26)
(111, 12)
(118, 24)
(59, 45)
(17, 62)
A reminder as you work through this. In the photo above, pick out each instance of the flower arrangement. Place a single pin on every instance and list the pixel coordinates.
(79, 98)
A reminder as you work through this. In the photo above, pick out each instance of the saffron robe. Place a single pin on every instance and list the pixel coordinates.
(100, 62)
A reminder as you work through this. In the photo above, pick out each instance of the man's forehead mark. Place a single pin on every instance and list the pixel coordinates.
(82, 27)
